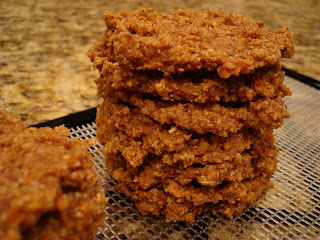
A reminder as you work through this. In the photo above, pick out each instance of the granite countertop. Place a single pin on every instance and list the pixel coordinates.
(44, 70)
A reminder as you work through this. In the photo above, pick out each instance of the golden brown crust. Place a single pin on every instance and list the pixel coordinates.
(9, 124)
(160, 202)
(229, 191)
(202, 86)
(46, 184)
(228, 200)
(155, 198)
(187, 41)
(141, 134)
(261, 156)
(227, 188)
(217, 118)
(155, 173)
(77, 221)
(126, 130)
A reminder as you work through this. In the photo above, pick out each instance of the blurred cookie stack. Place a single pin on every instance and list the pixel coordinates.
(190, 104)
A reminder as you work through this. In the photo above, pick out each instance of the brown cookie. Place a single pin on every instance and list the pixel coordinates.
(47, 185)
(125, 129)
(230, 44)
(201, 86)
(216, 118)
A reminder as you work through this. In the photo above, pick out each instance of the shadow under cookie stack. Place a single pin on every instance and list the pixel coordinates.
(190, 101)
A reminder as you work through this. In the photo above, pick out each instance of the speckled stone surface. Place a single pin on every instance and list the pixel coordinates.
(44, 70)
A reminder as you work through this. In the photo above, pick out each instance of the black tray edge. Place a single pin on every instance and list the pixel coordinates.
(302, 78)
(71, 120)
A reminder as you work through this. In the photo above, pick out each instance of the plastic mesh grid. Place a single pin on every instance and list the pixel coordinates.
(290, 210)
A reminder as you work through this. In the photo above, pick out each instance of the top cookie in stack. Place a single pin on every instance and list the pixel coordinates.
(230, 44)
(190, 101)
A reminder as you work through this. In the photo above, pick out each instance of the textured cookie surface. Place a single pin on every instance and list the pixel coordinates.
(187, 41)
(202, 86)
(47, 184)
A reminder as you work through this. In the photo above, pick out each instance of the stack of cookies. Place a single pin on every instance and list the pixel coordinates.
(190, 101)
